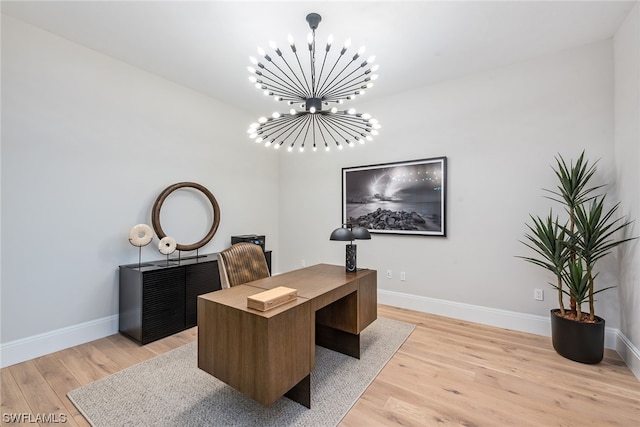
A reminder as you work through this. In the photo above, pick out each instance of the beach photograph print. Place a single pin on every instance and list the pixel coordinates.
(396, 198)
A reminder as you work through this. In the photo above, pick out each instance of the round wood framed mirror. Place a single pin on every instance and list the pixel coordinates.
(157, 207)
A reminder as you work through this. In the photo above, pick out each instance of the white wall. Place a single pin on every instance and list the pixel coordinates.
(88, 143)
(627, 153)
(500, 131)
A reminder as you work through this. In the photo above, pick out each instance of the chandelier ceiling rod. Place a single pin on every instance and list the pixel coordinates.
(314, 123)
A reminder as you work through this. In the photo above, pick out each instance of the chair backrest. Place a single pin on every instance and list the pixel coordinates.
(241, 263)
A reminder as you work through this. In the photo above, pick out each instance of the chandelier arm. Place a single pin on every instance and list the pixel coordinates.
(297, 88)
(293, 124)
(286, 126)
(284, 96)
(274, 124)
(292, 98)
(344, 84)
(331, 83)
(324, 60)
(297, 124)
(334, 123)
(304, 76)
(335, 64)
(291, 101)
(303, 87)
(323, 122)
(355, 118)
(267, 132)
(342, 94)
(306, 133)
(357, 125)
(313, 130)
(350, 126)
(360, 128)
(275, 89)
(302, 123)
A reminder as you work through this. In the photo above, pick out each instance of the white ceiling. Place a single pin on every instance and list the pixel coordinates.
(205, 45)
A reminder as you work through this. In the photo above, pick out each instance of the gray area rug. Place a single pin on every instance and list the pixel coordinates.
(170, 390)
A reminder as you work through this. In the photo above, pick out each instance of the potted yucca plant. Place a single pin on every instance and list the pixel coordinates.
(570, 249)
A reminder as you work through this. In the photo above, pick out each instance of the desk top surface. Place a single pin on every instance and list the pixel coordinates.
(310, 282)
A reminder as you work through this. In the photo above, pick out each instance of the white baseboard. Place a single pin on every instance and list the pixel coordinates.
(539, 325)
(38, 345)
(629, 353)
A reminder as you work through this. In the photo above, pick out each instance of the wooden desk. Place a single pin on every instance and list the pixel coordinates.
(266, 355)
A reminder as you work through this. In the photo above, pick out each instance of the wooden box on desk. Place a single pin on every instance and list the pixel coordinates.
(267, 300)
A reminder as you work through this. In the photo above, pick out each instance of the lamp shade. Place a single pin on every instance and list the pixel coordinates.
(342, 234)
(361, 233)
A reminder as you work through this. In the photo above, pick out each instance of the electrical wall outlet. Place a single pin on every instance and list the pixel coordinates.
(389, 274)
(303, 263)
(403, 276)
(538, 294)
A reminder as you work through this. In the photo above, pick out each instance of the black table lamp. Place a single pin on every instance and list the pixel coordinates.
(347, 233)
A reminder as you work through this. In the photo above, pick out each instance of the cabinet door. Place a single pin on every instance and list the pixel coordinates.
(163, 303)
(201, 279)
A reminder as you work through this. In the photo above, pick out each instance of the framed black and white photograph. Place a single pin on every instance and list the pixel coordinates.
(397, 198)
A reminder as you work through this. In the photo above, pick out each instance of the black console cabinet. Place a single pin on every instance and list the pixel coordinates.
(158, 299)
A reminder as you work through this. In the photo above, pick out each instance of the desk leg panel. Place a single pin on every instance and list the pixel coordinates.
(367, 300)
(301, 392)
(341, 314)
(217, 339)
(287, 362)
(260, 356)
(337, 340)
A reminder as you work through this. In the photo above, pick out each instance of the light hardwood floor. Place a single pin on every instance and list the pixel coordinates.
(447, 373)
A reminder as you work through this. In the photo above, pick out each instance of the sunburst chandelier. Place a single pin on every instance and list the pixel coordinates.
(313, 119)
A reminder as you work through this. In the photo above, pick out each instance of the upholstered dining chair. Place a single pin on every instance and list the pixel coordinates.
(241, 263)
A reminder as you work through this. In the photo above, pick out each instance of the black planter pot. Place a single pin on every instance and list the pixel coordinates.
(578, 341)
